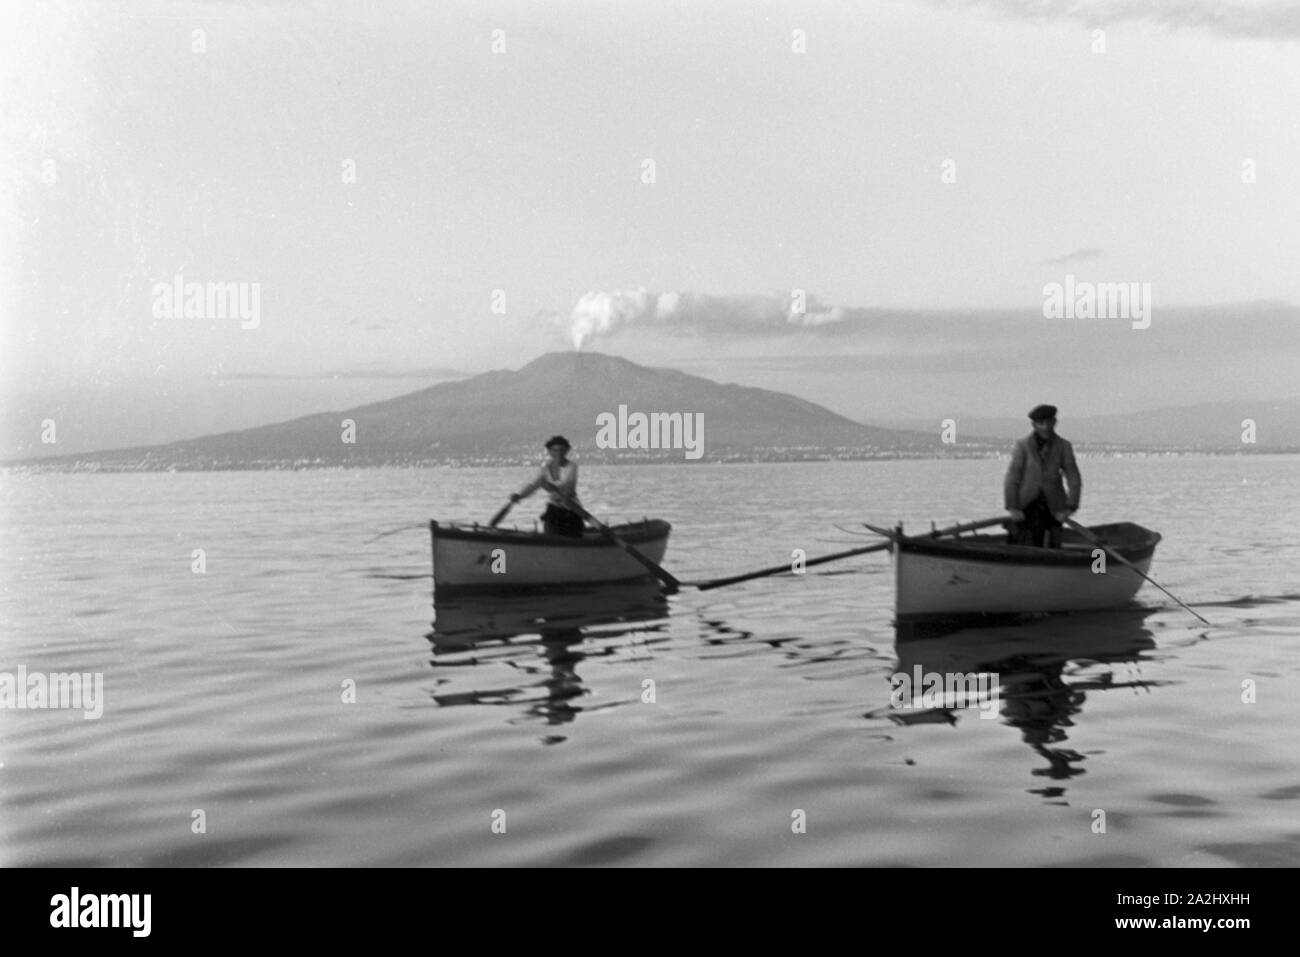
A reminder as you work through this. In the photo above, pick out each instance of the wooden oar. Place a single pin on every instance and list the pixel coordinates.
(496, 519)
(879, 547)
(669, 581)
(1124, 561)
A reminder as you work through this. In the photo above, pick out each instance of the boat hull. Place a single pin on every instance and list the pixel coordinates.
(982, 575)
(503, 560)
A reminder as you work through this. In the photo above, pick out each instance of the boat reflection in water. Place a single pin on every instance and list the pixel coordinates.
(540, 635)
(1045, 670)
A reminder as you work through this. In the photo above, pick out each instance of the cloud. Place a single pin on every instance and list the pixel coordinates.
(1078, 255)
(1253, 19)
(600, 313)
(890, 339)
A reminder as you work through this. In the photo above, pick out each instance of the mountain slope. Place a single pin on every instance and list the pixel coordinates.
(505, 416)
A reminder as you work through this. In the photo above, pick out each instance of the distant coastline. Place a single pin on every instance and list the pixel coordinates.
(123, 465)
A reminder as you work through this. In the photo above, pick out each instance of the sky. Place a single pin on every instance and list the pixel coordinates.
(860, 203)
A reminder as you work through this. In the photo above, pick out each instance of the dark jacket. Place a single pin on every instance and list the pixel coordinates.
(1032, 472)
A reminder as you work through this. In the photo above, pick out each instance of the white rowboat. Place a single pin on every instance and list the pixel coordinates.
(479, 558)
(982, 575)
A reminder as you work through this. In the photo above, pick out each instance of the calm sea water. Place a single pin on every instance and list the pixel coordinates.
(228, 735)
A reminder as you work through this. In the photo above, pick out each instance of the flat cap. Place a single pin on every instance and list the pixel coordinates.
(1040, 412)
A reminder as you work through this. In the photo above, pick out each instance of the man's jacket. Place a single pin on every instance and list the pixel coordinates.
(1032, 472)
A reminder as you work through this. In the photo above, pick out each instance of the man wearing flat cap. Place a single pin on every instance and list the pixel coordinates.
(1035, 496)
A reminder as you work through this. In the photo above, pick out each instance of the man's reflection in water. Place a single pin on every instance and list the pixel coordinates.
(1031, 663)
(491, 640)
(560, 649)
(1041, 704)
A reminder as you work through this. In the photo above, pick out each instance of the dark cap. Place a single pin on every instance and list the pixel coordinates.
(1041, 412)
(558, 440)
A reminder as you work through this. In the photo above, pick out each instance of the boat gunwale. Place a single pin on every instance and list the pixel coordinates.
(634, 533)
(987, 550)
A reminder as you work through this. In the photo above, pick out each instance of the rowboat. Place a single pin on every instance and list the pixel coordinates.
(479, 558)
(983, 575)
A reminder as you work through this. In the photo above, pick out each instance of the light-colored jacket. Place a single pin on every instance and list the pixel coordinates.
(564, 478)
(1032, 472)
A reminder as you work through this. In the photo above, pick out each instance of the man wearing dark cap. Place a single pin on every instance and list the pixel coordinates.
(559, 477)
(1034, 493)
